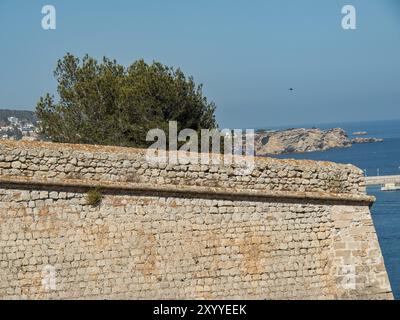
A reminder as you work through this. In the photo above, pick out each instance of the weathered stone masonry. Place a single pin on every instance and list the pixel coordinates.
(290, 229)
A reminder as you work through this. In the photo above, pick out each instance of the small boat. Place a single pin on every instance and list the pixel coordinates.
(390, 187)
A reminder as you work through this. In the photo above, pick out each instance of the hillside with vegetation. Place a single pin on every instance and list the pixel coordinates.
(22, 115)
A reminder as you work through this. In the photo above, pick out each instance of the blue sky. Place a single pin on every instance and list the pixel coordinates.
(246, 53)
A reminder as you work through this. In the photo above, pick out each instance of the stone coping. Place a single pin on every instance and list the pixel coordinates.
(125, 150)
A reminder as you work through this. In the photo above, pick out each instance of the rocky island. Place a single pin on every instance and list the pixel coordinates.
(304, 140)
(366, 140)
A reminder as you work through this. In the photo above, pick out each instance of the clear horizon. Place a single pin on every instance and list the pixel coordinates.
(247, 56)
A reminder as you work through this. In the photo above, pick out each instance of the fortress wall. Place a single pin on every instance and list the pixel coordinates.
(126, 165)
(289, 229)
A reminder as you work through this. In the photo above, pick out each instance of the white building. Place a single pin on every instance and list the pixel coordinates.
(13, 120)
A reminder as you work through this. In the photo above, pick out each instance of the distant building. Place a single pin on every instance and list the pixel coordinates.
(28, 128)
(13, 120)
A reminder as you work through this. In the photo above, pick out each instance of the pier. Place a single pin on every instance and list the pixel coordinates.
(381, 180)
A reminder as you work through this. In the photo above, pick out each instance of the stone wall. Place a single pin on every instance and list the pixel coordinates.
(289, 229)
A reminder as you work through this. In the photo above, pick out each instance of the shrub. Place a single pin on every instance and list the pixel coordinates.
(94, 197)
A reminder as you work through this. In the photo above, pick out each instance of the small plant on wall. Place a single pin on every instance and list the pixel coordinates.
(94, 197)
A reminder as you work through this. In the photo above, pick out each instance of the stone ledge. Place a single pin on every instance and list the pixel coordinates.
(92, 148)
(128, 165)
(29, 182)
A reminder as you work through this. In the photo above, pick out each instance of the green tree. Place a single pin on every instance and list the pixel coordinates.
(106, 103)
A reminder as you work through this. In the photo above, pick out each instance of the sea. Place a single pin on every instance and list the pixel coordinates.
(382, 158)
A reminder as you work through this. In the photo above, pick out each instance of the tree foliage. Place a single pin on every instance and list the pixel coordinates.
(107, 103)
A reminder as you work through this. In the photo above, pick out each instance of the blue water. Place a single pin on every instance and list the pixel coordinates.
(375, 158)
(386, 216)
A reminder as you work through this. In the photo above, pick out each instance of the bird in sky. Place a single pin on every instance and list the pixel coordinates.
(291, 89)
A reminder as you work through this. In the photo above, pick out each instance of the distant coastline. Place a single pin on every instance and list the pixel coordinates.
(302, 140)
(18, 125)
(23, 115)
(22, 124)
